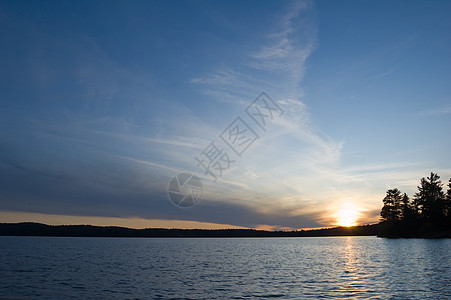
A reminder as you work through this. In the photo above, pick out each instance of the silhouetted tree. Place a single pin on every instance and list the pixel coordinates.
(392, 206)
(448, 193)
(448, 203)
(407, 212)
(430, 199)
(428, 215)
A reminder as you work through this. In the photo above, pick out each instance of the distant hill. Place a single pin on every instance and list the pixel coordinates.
(38, 229)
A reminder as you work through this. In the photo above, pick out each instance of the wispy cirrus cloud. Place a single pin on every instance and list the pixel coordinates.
(278, 59)
(438, 111)
(289, 45)
(276, 66)
(383, 74)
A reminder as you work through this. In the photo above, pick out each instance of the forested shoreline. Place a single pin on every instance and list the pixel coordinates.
(38, 229)
(427, 214)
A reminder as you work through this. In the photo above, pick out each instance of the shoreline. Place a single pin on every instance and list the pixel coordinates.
(39, 229)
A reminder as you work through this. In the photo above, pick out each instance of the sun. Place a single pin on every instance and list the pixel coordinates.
(347, 215)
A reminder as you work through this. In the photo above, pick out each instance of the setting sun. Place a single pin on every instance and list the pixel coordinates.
(347, 215)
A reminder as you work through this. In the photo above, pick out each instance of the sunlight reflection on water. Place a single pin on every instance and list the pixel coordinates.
(239, 268)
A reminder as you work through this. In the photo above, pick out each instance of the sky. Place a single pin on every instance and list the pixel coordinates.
(104, 103)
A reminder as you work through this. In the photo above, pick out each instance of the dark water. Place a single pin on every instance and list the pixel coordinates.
(295, 268)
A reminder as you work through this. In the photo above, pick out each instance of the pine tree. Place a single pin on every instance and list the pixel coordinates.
(428, 215)
(392, 206)
(448, 201)
(448, 193)
(407, 212)
(429, 202)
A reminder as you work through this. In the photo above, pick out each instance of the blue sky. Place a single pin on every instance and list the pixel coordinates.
(103, 102)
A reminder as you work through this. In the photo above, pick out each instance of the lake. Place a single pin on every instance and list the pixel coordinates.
(224, 268)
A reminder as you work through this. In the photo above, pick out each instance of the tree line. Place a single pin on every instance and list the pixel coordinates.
(427, 214)
(38, 229)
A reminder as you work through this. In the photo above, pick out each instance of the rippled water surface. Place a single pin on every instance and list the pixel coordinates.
(241, 268)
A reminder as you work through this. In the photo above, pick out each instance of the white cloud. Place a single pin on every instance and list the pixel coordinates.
(277, 67)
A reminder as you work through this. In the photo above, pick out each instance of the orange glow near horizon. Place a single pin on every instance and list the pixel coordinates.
(138, 223)
(347, 215)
